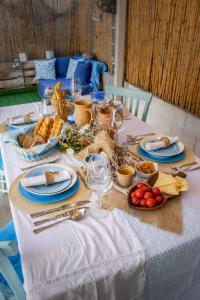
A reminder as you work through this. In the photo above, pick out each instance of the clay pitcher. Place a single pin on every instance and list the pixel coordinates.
(84, 113)
(106, 117)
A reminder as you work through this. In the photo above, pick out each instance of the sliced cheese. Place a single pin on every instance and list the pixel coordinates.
(170, 189)
(183, 184)
(165, 179)
(181, 180)
(184, 188)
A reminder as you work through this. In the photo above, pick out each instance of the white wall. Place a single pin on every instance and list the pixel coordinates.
(171, 120)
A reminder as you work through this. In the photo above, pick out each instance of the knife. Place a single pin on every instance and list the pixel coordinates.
(65, 206)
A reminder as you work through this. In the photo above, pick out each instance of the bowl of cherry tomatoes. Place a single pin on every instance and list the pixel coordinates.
(144, 197)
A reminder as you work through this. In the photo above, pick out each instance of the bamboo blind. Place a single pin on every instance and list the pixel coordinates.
(163, 47)
(65, 26)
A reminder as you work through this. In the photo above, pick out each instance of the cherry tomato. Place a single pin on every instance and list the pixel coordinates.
(148, 195)
(135, 201)
(159, 199)
(155, 191)
(145, 188)
(140, 185)
(139, 193)
(143, 203)
(151, 202)
(132, 194)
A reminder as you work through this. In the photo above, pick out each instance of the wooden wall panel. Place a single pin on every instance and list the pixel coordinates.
(163, 50)
(65, 26)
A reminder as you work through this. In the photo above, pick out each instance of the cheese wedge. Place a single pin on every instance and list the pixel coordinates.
(183, 184)
(184, 188)
(165, 179)
(170, 189)
(171, 185)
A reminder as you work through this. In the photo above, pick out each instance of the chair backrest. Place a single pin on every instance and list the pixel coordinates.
(130, 95)
(9, 248)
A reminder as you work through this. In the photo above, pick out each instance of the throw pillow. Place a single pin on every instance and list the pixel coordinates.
(45, 69)
(83, 71)
(62, 65)
(72, 67)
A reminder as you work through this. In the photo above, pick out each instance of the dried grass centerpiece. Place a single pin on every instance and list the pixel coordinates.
(76, 137)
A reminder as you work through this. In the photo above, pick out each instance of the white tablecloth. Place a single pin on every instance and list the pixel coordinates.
(90, 259)
(172, 261)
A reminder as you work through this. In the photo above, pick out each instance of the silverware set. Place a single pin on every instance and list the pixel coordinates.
(187, 167)
(75, 211)
(59, 208)
(134, 140)
(74, 215)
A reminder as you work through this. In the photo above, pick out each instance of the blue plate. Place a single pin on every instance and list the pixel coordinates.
(169, 151)
(152, 157)
(49, 199)
(47, 189)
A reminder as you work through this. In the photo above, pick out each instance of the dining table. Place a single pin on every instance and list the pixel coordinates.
(114, 257)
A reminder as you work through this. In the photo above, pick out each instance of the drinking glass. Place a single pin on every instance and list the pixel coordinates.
(75, 88)
(99, 179)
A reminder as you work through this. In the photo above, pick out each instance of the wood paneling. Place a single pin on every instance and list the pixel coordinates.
(14, 77)
(163, 50)
(65, 26)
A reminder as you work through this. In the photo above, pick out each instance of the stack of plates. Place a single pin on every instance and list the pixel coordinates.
(50, 193)
(174, 152)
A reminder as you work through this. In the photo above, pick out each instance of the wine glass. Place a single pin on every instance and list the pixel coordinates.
(99, 179)
(75, 88)
(98, 100)
(118, 126)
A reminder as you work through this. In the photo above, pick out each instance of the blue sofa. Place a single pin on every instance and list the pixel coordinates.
(89, 75)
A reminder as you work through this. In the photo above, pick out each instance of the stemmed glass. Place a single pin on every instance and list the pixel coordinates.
(75, 88)
(99, 180)
(98, 100)
(117, 125)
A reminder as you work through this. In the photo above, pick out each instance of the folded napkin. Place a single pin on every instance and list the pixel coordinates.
(164, 142)
(41, 179)
(27, 118)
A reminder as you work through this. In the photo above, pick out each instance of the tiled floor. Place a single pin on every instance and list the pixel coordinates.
(5, 213)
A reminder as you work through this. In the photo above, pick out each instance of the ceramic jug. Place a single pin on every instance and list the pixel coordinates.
(84, 113)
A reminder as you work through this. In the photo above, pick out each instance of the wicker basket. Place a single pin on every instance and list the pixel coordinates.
(33, 154)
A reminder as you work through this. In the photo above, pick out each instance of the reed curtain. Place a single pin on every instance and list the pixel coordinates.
(65, 26)
(163, 50)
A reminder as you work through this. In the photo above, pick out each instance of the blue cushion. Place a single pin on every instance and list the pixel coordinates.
(97, 68)
(62, 65)
(72, 67)
(42, 84)
(45, 69)
(7, 233)
(83, 71)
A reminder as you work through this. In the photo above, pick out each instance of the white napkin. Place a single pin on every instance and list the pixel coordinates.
(155, 145)
(20, 119)
(41, 179)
